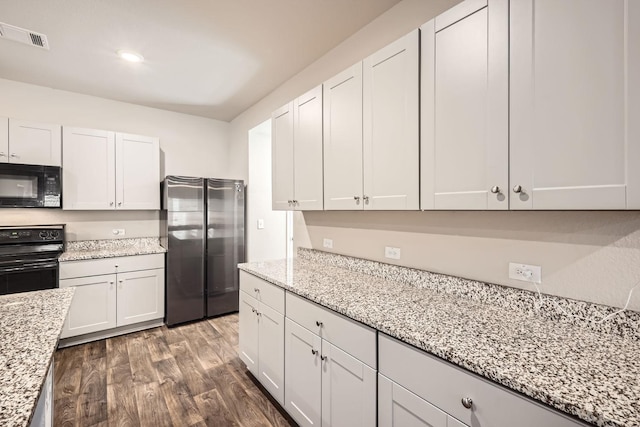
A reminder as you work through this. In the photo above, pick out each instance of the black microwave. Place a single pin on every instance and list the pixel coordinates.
(30, 186)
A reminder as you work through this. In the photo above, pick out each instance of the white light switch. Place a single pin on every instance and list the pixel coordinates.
(327, 243)
(260, 224)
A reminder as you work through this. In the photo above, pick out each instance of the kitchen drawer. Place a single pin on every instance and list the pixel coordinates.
(445, 385)
(95, 267)
(353, 337)
(265, 292)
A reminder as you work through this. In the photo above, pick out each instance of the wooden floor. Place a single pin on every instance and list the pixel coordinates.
(183, 376)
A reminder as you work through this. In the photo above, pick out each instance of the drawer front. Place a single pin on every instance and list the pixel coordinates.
(95, 267)
(355, 338)
(263, 291)
(445, 385)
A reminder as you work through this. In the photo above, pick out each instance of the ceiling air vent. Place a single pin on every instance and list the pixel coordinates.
(22, 35)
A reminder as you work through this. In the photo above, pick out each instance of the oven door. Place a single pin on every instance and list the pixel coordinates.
(29, 186)
(28, 275)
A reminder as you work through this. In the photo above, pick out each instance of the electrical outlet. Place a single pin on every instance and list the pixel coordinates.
(524, 272)
(391, 252)
(118, 231)
(327, 243)
(260, 224)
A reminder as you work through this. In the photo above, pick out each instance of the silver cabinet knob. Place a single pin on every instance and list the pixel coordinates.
(357, 199)
(467, 402)
(314, 352)
(318, 323)
(295, 202)
(111, 204)
(119, 203)
(366, 199)
(517, 189)
(2, 154)
(253, 310)
(256, 290)
(495, 189)
(323, 358)
(14, 155)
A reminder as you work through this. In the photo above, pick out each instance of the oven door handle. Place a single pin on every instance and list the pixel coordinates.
(31, 267)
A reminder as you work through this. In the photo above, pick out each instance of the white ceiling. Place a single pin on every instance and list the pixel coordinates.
(212, 58)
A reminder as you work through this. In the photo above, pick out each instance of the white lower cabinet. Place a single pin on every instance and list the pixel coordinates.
(423, 387)
(398, 407)
(261, 341)
(113, 292)
(43, 413)
(326, 385)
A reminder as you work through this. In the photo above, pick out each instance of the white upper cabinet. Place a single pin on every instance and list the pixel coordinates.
(137, 172)
(88, 175)
(296, 145)
(465, 102)
(4, 139)
(307, 151)
(282, 157)
(390, 126)
(575, 104)
(106, 170)
(33, 143)
(343, 140)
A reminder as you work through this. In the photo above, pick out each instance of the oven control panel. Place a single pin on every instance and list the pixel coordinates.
(14, 235)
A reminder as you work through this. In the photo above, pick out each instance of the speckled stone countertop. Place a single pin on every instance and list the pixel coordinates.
(30, 325)
(93, 249)
(587, 373)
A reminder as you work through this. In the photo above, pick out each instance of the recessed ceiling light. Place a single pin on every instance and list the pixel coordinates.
(130, 56)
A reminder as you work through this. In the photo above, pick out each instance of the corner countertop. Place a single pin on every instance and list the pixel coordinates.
(30, 325)
(589, 374)
(96, 249)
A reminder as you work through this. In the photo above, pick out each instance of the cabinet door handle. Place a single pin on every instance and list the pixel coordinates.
(366, 199)
(314, 352)
(318, 323)
(111, 204)
(517, 189)
(2, 154)
(119, 203)
(467, 402)
(495, 189)
(253, 309)
(256, 290)
(323, 358)
(357, 199)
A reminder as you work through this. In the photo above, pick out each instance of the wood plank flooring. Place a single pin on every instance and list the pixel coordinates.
(188, 375)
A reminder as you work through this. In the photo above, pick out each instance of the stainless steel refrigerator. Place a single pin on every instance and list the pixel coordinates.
(202, 228)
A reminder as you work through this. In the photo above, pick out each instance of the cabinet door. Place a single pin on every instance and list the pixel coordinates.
(93, 307)
(88, 174)
(398, 407)
(271, 351)
(140, 296)
(307, 151)
(137, 172)
(575, 104)
(348, 390)
(4, 140)
(465, 102)
(248, 332)
(282, 157)
(390, 126)
(302, 374)
(343, 140)
(34, 143)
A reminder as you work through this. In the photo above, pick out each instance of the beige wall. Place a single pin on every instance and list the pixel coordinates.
(191, 146)
(593, 256)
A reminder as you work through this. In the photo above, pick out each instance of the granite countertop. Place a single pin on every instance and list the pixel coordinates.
(94, 249)
(586, 373)
(31, 323)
